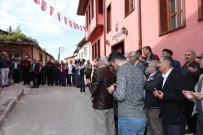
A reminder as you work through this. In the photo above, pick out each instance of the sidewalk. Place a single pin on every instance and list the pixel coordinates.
(8, 98)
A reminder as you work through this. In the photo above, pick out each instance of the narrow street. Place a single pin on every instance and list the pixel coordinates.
(51, 111)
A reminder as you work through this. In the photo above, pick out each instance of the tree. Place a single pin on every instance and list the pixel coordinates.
(17, 36)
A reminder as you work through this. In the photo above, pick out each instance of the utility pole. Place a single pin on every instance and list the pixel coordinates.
(59, 53)
(61, 50)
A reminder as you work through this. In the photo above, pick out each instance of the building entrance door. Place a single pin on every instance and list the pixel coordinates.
(118, 47)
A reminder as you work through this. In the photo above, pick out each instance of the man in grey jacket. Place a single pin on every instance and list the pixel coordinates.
(129, 94)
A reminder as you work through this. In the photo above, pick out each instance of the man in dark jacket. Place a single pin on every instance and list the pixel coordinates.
(171, 99)
(190, 73)
(102, 100)
(26, 65)
(35, 73)
(155, 79)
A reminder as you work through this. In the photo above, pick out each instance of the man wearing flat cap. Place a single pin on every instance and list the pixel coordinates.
(197, 98)
(190, 71)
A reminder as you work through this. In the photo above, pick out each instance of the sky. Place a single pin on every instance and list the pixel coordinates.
(47, 30)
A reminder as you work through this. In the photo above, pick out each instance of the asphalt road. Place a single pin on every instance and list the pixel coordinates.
(51, 111)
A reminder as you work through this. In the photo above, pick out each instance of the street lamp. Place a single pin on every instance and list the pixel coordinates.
(124, 30)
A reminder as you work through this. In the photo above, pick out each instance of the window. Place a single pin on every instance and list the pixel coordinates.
(81, 55)
(172, 15)
(129, 6)
(109, 18)
(89, 16)
(92, 9)
(200, 10)
(87, 23)
(85, 51)
(96, 50)
(14, 54)
(100, 6)
(46, 59)
(41, 57)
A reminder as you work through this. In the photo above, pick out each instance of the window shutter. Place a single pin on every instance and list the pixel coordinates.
(200, 9)
(163, 16)
(126, 7)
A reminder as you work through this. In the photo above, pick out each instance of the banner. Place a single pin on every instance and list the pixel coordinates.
(71, 23)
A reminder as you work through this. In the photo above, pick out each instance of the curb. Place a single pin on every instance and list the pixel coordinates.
(10, 106)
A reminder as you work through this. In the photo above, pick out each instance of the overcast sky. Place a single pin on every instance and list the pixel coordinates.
(41, 26)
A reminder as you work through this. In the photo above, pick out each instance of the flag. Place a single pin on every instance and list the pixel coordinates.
(59, 18)
(44, 5)
(77, 26)
(80, 27)
(65, 20)
(51, 10)
(84, 28)
(74, 25)
(70, 23)
(37, 2)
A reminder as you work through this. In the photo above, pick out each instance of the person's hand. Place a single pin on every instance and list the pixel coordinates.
(158, 93)
(87, 81)
(188, 94)
(111, 89)
(192, 70)
(198, 96)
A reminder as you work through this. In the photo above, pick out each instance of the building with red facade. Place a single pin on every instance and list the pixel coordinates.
(128, 25)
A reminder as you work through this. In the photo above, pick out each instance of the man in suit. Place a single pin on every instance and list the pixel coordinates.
(171, 99)
(155, 79)
(35, 73)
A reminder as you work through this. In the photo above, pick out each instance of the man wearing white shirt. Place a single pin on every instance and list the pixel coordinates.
(171, 99)
(71, 71)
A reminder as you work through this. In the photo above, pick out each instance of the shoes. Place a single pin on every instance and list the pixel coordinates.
(79, 92)
(83, 93)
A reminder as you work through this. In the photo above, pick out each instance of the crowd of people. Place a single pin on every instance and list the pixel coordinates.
(132, 94)
(136, 94)
(52, 73)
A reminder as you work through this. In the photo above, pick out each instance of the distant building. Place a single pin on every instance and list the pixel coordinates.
(70, 58)
(82, 50)
(21, 49)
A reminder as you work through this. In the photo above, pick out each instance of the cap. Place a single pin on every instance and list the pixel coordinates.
(199, 56)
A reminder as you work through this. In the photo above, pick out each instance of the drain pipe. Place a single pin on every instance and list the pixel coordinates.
(139, 26)
(104, 26)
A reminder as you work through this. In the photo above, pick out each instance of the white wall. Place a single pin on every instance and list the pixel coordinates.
(84, 52)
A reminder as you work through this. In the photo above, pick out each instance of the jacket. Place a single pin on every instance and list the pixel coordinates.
(172, 104)
(101, 80)
(190, 79)
(154, 81)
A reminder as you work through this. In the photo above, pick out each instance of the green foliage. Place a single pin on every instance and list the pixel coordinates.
(17, 36)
